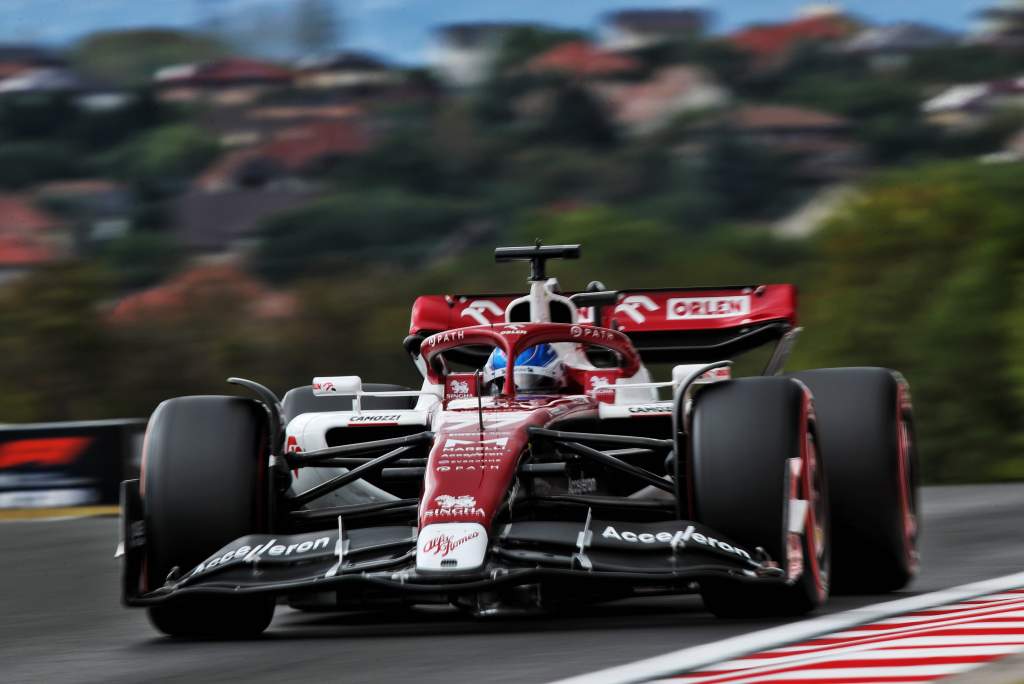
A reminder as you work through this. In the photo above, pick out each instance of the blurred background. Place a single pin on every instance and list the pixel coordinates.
(194, 189)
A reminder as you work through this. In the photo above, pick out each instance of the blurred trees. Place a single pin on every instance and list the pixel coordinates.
(103, 55)
(348, 229)
(160, 161)
(919, 273)
(317, 27)
(25, 163)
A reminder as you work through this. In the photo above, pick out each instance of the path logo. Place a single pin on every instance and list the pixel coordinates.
(46, 451)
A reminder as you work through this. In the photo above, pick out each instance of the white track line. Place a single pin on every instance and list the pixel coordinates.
(698, 657)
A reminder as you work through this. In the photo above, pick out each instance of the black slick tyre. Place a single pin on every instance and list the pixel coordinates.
(753, 457)
(204, 484)
(865, 424)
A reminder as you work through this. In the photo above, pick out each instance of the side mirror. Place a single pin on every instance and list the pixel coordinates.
(337, 384)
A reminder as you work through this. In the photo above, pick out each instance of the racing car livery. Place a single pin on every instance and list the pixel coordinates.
(539, 464)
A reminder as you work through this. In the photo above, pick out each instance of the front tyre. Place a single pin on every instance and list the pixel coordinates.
(757, 477)
(204, 484)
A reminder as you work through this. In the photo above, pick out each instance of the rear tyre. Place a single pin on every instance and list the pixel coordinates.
(753, 457)
(204, 484)
(866, 426)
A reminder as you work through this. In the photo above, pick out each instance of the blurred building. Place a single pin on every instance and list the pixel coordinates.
(772, 45)
(641, 28)
(580, 59)
(819, 145)
(968, 105)
(229, 221)
(1001, 25)
(18, 58)
(30, 237)
(245, 125)
(60, 81)
(347, 71)
(101, 208)
(230, 81)
(290, 154)
(891, 46)
(210, 282)
(463, 54)
(646, 106)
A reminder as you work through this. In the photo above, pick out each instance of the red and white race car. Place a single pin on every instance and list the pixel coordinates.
(539, 463)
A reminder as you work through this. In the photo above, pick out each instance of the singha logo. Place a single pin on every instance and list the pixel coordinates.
(447, 501)
(454, 506)
(460, 388)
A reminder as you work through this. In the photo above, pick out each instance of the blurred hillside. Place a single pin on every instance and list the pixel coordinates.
(174, 210)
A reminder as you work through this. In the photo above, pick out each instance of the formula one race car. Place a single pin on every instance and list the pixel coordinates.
(538, 465)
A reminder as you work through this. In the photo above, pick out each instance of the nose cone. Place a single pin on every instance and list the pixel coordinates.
(452, 547)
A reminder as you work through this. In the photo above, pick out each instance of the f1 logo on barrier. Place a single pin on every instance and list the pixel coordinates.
(42, 451)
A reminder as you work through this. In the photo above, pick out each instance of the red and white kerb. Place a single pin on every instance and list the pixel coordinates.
(922, 646)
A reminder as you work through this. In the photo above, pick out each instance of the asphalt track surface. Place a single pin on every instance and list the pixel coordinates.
(61, 620)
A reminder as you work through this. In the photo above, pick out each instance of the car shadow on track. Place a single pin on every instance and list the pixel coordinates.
(434, 622)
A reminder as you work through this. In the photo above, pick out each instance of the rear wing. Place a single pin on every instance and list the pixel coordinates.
(679, 325)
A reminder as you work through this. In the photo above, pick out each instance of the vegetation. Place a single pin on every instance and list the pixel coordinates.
(920, 270)
(103, 55)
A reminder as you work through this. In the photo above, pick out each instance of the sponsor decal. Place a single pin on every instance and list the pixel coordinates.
(44, 451)
(467, 464)
(443, 544)
(716, 374)
(496, 444)
(599, 381)
(688, 308)
(513, 329)
(449, 336)
(478, 311)
(291, 446)
(634, 307)
(673, 539)
(459, 389)
(324, 387)
(591, 333)
(651, 409)
(584, 485)
(461, 420)
(271, 548)
(471, 455)
(450, 506)
(375, 419)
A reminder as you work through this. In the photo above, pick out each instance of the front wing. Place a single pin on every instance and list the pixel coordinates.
(381, 560)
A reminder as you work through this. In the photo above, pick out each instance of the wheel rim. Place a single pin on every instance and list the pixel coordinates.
(816, 530)
(905, 467)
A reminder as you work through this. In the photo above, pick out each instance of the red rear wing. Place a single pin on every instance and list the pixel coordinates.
(674, 325)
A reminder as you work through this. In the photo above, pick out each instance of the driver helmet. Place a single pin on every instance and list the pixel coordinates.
(537, 368)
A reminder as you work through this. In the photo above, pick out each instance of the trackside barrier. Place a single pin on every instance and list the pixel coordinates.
(67, 465)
